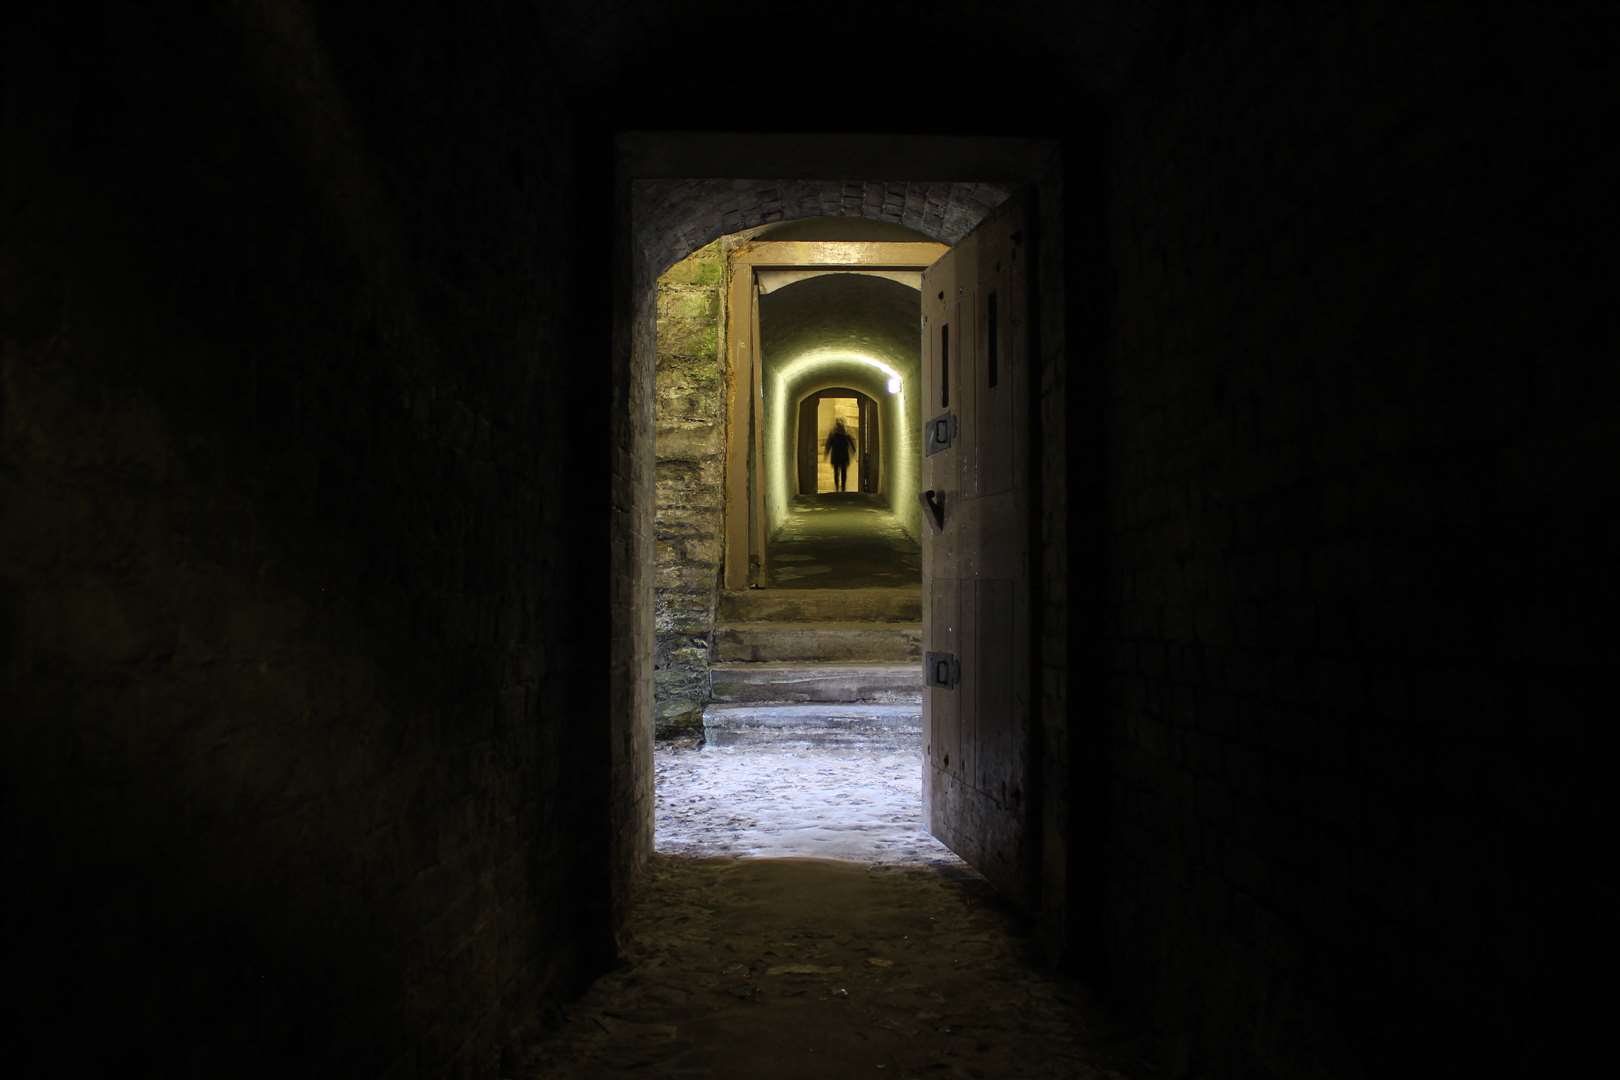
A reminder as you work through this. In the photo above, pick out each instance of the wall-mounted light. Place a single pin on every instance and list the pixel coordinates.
(894, 384)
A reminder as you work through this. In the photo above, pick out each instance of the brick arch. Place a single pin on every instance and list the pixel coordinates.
(676, 217)
(865, 316)
(669, 219)
(866, 383)
(849, 311)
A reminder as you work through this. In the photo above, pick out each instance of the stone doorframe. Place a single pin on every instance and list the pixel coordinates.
(745, 537)
(672, 193)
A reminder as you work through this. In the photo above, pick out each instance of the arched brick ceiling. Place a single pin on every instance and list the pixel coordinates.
(673, 218)
(868, 315)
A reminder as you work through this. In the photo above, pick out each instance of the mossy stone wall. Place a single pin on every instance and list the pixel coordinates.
(691, 462)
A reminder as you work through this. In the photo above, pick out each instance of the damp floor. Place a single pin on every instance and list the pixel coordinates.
(745, 959)
(841, 541)
(861, 803)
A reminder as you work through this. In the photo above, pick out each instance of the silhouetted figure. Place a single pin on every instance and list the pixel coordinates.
(839, 445)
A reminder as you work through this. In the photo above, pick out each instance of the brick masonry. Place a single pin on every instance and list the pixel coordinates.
(677, 217)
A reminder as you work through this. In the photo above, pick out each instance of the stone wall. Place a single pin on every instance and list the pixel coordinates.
(1359, 510)
(300, 735)
(691, 461)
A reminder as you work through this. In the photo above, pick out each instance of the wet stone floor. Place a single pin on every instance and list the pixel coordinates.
(745, 957)
(847, 540)
(791, 799)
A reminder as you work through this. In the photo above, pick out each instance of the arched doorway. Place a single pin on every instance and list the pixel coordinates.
(677, 215)
(820, 413)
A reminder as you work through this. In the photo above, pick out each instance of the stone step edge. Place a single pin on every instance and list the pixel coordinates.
(813, 717)
(816, 667)
(820, 707)
(828, 625)
(910, 592)
(880, 604)
(887, 741)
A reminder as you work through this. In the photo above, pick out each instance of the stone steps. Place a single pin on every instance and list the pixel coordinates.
(896, 727)
(756, 642)
(791, 683)
(817, 667)
(902, 605)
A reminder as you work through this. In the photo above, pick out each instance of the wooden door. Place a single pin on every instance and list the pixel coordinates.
(977, 791)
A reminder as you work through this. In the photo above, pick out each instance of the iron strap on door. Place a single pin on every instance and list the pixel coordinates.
(942, 670)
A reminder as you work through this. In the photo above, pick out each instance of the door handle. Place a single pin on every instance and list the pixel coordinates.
(942, 670)
(933, 504)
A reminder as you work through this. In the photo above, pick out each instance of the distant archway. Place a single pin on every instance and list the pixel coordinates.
(817, 410)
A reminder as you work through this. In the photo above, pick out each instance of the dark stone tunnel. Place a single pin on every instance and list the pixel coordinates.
(326, 696)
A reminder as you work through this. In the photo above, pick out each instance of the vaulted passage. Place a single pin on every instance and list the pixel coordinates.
(401, 469)
(785, 354)
(796, 664)
(851, 541)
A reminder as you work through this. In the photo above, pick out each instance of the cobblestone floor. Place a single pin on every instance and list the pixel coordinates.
(843, 803)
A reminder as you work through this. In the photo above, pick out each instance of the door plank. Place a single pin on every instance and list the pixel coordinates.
(993, 613)
(978, 786)
(995, 388)
(964, 379)
(969, 649)
(940, 625)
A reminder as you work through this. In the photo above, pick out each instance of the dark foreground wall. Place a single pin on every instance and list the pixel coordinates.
(287, 652)
(286, 786)
(1360, 514)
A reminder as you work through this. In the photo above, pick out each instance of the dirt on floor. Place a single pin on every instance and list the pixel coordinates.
(816, 968)
(893, 960)
(842, 541)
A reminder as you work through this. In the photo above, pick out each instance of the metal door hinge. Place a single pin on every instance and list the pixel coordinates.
(942, 670)
(939, 433)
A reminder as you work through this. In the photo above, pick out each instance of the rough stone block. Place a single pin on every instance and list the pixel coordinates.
(705, 266)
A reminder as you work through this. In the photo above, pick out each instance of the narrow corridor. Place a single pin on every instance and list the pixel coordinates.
(890, 958)
(848, 540)
(815, 968)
